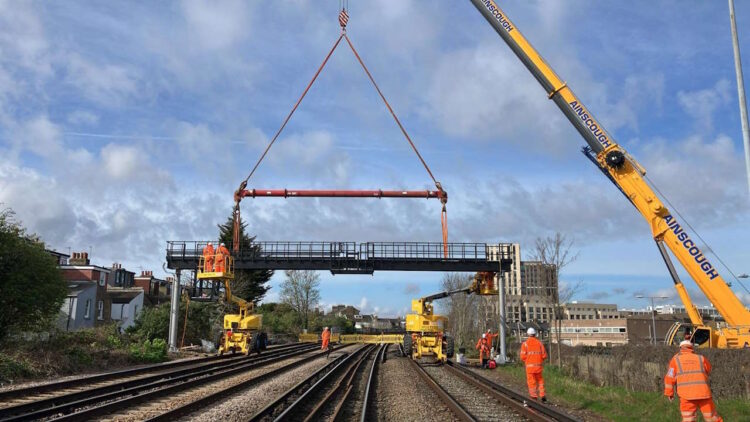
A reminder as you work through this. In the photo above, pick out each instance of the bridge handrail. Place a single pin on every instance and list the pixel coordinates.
(309, 250)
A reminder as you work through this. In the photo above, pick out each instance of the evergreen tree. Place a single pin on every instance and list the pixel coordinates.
(250, 285)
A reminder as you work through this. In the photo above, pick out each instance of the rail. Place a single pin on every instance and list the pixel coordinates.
(85, 404)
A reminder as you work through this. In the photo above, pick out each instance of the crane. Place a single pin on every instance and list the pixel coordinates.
(425, 331)
(242, 330)
(630, 178)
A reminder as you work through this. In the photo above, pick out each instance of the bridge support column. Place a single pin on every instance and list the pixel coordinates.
(174, 311)
(501, 300)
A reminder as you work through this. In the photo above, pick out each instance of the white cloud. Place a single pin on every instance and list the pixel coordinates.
(120, 162)
(107, 84)
(217, 25)
(82, 117)
(703, 104)
(40, 136)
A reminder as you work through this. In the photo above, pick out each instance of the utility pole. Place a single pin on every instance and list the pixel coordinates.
(174, 310)
(501, 303)
(653, 314)
(740, 91)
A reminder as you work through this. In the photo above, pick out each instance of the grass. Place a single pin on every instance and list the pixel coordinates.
(618, 404)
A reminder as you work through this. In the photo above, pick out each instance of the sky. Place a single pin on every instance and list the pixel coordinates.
(127, 124)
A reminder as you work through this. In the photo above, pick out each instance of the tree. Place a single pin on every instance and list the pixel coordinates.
(247, 284)
(32, 288)
(300, 291)
(462, 310)
(557, 250)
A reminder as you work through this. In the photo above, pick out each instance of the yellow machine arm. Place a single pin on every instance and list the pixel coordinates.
(625, 173)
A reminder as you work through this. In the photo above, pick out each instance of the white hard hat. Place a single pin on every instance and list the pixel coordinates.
(484, 335)
(325, 328)
(209, 243)
(531, 331)
(686, 343)
(222, 243)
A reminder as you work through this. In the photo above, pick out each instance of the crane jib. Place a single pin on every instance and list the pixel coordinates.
(590, 123)
(498, 15)
(690, 247)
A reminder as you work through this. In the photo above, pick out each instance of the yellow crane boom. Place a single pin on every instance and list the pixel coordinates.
(628, 175)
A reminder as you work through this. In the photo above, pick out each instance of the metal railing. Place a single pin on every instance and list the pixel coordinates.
(281, 250)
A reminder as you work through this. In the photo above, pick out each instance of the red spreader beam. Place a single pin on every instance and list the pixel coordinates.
(287, 193)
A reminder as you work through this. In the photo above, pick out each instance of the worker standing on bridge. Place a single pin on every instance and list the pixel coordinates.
(208, 258)
(533, 355)
(484, 350)
(222, 253)
(326, 339)
(690, 371)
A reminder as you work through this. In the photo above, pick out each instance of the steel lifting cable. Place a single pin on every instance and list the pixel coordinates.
(343, 18)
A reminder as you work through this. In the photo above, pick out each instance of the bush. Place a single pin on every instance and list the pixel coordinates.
(149, 351)
(153, 323)
(11, 369)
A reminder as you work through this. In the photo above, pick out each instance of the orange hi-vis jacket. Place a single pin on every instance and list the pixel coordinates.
(325, 337)
(208, 258)
(689, 371)
(533, 355)
(490, 338)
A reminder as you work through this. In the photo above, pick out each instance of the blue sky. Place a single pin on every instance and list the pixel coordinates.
(124, 125)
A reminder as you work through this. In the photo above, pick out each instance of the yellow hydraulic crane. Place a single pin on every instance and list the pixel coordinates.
(242, 331)
(629, 176)
(425, 331)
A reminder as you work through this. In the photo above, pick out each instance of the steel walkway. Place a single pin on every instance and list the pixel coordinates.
(352, 257)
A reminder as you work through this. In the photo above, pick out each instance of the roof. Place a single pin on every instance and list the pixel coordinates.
(123, 295)
(85, 267)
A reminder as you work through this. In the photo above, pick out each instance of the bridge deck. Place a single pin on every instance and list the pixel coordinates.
(352, 257)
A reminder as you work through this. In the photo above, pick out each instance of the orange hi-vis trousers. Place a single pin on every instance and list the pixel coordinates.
(536, 384)
(689, 410)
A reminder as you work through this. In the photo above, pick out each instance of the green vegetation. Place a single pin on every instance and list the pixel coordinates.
(65, 353)
(204, 323)
(282, 318)
(617, 403)
(149, 351)
(32, 289)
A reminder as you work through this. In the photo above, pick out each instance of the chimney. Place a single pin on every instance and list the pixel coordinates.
(80, 258)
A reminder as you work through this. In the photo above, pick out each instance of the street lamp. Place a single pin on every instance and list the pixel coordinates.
(653, 317)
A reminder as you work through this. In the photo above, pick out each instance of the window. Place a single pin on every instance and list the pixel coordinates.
(87, 310)
(102, 279)
(100, 310)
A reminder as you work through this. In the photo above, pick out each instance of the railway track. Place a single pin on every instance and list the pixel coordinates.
(341, 390)
(472, 397)
(118, 391)
(22, 395)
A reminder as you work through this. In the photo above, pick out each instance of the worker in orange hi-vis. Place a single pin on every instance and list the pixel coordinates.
(490, 338)
(326, 339)
(484, 350)
(533, 355)
(208, 258)
(690, 371)
(222, 255)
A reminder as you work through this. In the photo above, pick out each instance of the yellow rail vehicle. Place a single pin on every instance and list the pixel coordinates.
(242, 330)
(425, 331)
